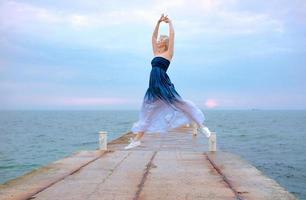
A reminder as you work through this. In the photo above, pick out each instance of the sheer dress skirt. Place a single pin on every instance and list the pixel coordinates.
(163, 108)
(159, 117)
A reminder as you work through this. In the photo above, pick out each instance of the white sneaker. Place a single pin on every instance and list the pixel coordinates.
(133, 143)
(205, 131)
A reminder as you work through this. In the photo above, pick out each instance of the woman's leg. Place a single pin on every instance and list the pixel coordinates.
(192, 111)
(139, 135)
(147, 112)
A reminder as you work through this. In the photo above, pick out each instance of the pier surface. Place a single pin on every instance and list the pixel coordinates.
(172, 166)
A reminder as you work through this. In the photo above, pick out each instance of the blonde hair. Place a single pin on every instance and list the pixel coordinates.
(167, 40)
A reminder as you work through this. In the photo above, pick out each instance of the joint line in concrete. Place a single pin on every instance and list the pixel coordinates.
(225, 179)
(109, 174)
(30, 196)
(144, 176)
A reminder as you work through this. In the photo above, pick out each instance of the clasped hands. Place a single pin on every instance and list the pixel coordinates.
(164, 18)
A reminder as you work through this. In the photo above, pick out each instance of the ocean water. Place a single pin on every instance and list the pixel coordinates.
(272, 140)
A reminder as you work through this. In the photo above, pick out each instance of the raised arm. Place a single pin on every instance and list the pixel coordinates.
(154, 37)
(155, 34)
(170, 50)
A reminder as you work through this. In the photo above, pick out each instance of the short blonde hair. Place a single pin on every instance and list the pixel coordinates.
(166, 38)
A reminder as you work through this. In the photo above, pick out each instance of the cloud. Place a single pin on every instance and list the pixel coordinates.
(3, 65)
(76, 47)
(230, 23)
(107, 26)
(72, 101)
(206, 16)
(45, 100)
(211, 103)
(24, 15)
(92, 27)
(255, 99)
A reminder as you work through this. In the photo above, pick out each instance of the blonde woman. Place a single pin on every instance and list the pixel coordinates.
(163, 108)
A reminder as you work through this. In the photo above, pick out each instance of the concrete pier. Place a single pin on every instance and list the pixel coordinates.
(177, 165)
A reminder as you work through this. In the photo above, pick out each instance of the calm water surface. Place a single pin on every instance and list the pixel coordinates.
(273, 141)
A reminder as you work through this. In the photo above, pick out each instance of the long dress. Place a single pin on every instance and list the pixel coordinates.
(163, 109)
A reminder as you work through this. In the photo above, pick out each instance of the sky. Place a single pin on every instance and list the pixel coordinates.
(94, 55)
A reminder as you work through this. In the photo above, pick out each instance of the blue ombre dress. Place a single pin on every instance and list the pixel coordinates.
(163, 108)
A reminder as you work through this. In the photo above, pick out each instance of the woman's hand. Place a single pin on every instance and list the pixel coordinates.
(166, 19)
(162, 18)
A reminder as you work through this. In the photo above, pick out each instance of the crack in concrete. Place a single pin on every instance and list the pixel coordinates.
(111, 172)
(225, 179)
(144, 176)
(32, 196)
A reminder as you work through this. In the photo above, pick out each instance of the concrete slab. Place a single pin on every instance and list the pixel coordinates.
(184, 175)
(171, 166)
(31, 183)
(113, 176)
(179, 139)
(142, 175)
(247, 180)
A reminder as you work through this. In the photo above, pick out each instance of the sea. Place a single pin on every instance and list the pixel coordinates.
(274, 141)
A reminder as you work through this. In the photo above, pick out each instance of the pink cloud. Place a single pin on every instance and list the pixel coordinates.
(92, 101)
(211, 103)
(67, 101)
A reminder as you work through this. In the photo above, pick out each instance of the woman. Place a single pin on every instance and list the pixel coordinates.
(163, 108)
